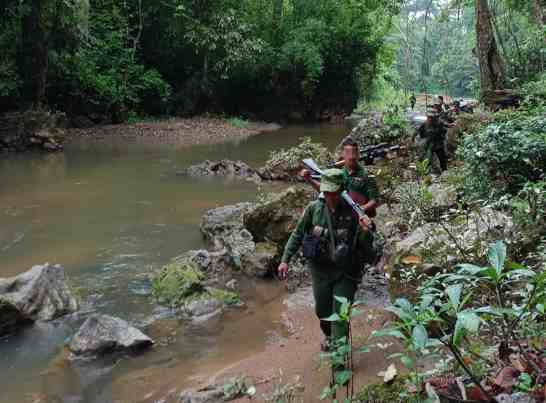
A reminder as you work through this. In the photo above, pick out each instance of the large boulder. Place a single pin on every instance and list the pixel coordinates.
(38, 129)
(262, 261)
(223, 168)
(103, 334)
(181, 285)
(38, 294)
(275, 219)
(224, 229)
(457, 237)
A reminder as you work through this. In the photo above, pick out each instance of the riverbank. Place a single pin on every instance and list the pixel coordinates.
(177, 132)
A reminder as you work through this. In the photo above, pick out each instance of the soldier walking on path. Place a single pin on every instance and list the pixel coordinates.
(336, 245)
(434, 133)
(413, 101)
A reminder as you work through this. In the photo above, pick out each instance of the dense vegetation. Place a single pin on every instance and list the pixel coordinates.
(108, 59)
(436, 49)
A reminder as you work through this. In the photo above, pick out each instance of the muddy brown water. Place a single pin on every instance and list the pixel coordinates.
(108, 211)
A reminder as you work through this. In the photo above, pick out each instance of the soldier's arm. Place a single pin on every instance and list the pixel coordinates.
(372, 193)
(296, 238)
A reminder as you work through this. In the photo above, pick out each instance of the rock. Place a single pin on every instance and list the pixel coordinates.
(203, 308)
(443, 195)
(207, 261)
(38, 129)
(274, 220)
(40, 293)
(181, 285)
(223, 168)
(11, 318)
(223, 228)
(484, 226)
(354, 119)
(102, 334)
(178, 281)
(210, 394)
(262, 262)
(515, 398)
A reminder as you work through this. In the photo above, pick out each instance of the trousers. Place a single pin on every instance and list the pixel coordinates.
(327, 284)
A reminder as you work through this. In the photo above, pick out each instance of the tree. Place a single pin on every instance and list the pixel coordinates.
(491, 64)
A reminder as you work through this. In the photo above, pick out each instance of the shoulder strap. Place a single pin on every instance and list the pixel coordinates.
(330, 231)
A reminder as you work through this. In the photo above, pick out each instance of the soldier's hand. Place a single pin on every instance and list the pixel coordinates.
(305, 174)
(283, 271)
(365, 223)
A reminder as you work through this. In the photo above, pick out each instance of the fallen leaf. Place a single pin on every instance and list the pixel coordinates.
(517, 363)
(507, 377)
(412, 259)
(389, 374)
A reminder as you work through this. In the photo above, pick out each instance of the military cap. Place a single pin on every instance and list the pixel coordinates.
(332, 180)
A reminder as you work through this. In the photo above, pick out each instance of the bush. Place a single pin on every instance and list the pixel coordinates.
(289, 160)
(503, 156)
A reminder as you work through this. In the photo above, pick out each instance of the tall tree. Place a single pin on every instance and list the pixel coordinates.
(34, 54)
(491, 64)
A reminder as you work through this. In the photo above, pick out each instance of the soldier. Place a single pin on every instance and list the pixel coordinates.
(413, 101)
(434, 132)
(336, 245)
(356, 179)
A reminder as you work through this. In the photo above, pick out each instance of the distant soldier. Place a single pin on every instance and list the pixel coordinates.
(413, 101)
(443, 106)
(434, 133)
(336, 245)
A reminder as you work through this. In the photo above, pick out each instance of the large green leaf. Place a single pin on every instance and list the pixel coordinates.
(497, 256)
(467, 321)
(419, 337)
(342, 377)
(332, 318)
(454, 294)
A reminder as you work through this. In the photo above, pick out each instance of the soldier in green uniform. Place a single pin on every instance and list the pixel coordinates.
(434, 133)
(336, 245)
(356, 179)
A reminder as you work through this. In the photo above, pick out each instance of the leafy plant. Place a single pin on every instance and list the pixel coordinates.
(340, 355)
(238, 387)
(472, 303)
(285, 392)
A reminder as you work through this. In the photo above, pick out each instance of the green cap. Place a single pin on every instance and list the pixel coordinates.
(332, 180)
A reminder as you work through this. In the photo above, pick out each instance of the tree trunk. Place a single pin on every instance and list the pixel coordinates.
(491, 64)
(34, 55)
(539, 11)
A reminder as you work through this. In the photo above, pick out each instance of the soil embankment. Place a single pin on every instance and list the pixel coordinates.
(176, 132)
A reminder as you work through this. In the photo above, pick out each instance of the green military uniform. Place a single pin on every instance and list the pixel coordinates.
(435, 136)
(331, 279)
(359, 181)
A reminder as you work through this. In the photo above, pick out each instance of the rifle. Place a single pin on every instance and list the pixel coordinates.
(371, 152)
(356, 208)
(356, 198)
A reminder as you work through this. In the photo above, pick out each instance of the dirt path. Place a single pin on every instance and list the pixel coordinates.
(296, 358)
(176, 132)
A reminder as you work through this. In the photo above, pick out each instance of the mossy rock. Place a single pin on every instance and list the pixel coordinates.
(227, 297)
(177, 282)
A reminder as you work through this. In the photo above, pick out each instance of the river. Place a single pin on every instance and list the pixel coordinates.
(109, 212)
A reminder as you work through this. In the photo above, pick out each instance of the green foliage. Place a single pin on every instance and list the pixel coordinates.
(109, 76)
(238, 123)
(504, 156)
(238, 387)
(290, 159)
(502, 297)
